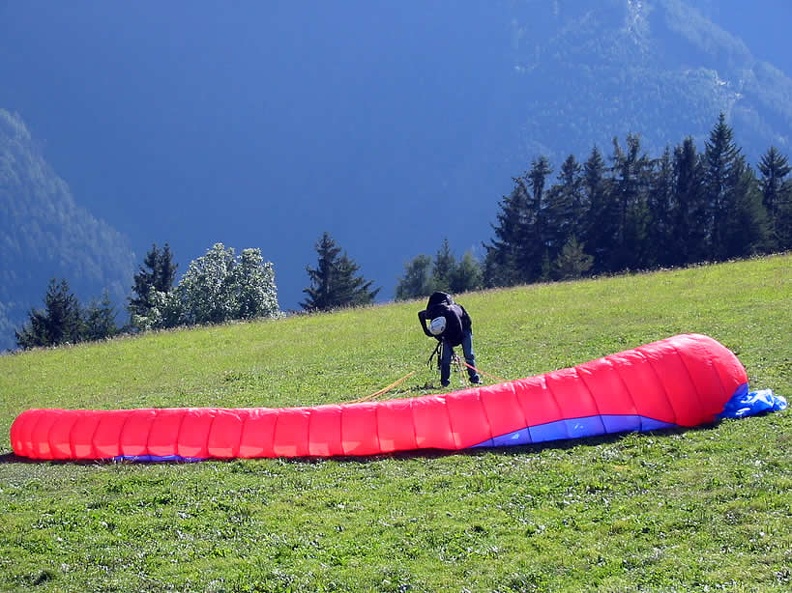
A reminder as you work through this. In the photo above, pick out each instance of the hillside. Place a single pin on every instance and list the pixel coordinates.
(671, 510)
(46, 234)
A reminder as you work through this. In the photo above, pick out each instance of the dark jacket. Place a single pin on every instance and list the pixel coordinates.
(457, 321)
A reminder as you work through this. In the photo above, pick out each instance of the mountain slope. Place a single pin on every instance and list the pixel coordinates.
(587, 71)
(592, 70)
(45, 234)
(389, 125)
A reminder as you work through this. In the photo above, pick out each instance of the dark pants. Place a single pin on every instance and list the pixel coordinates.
(470, 359)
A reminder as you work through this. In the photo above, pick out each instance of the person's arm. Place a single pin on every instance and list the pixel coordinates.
(422, 319)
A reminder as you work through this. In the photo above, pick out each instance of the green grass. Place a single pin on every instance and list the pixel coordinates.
(698, 510)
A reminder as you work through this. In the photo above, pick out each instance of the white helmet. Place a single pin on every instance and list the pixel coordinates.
(437, 326)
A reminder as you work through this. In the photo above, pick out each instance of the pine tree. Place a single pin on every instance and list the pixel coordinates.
(600, 226)
(573, 261)
(777, 199)
(731, 198)
(99, 320)
(502, 258)
(660, 231)
(157, 273)
(534, 258)
(744, 230)
(60, 322)
(689, 207)
(335, 282)
(566, 208)
(628, 197)
(443, 267)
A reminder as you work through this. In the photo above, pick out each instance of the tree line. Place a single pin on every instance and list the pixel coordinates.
(625, 212)
(628, 211)
(216, 288)
(634, 212)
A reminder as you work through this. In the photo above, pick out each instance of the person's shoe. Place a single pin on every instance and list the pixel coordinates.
(444, 383)
(476, 380)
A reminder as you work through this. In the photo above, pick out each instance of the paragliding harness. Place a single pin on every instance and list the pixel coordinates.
(438, 352)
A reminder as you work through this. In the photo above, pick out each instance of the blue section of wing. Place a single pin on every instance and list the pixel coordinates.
(577, 428)
(157, 458)
(744, 403)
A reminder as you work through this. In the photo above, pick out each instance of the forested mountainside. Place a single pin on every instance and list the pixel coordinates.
(589, 70)
(45, 234)
(392, 126)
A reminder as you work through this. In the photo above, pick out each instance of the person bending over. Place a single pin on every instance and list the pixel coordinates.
(450, 324)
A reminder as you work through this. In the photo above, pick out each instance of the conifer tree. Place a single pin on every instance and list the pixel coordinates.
(518, 253)
(689, 216)
(628, 197)
(443, 268)
(335, 282)
(534, 257)
(566, 208)
(573, 261)
(157, 273)
(777, 199)
(731, 197)
(503, 252)
(423, 275)
(660, 200)
(599, 227)
(99, 319)
(60, 322)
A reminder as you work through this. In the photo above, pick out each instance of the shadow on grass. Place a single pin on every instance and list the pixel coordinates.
(12, 458)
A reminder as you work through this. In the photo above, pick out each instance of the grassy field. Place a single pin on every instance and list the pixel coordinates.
(698, 510)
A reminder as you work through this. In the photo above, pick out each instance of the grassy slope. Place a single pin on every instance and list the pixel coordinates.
(661, 512)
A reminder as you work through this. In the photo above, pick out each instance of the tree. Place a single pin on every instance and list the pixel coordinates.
(443, 268)
(689, 206)
(566, 207)
(423, 275)
(417, 279)
(660, 201)
(736, 217)
(629, 201)
(744, 230)
(777, 198)
(335, 282)
(218, 287)
(599, 226)
(501, 260)
(573, 261)
(157, 274)
(466, 275)
(165, 312)
(254, 280)
(534, 257)
(60, 322)
(519, 252)
(99, 320)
